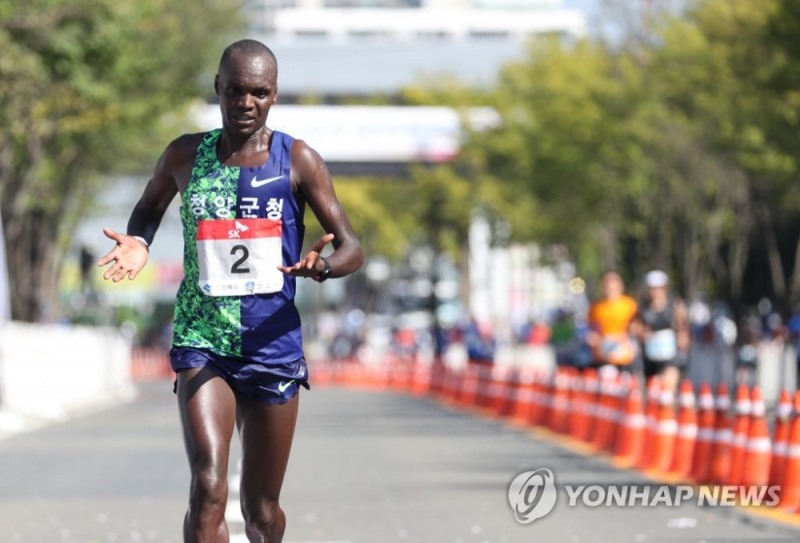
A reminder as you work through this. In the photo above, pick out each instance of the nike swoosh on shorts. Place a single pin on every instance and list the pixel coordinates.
(283, 386)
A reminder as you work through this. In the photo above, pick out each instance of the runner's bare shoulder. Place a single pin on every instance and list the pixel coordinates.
(179, 156)
(184, 148)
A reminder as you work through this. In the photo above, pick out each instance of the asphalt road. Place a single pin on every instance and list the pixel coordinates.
(366, 467)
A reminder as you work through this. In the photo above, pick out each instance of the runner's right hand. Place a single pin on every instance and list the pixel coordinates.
(127, 258)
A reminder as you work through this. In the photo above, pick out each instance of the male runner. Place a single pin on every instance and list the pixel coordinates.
(609, 323)
(237, 346)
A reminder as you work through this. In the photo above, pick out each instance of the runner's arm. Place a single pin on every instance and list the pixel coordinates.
(310, 176)
(681, 324)
(129, 254)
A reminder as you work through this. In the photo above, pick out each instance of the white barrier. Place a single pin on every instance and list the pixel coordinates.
(53, 371)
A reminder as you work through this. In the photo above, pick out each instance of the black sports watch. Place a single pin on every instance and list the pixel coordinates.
(326, 271)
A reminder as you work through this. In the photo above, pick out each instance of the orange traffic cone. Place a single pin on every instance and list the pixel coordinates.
(597, 431)
(741, 424)
(687, 432)
(578, 413)
(617, 394)
(560, 400)
(575, 392)
(790, 486)
(646, 460)
(666, 433)
(420, 379)
(503, 391)
(701, 461)
(523, 396)
(630, 438)
(783, 415)
(485, 386)
(591, 387)
(468, 392)
(758, 450)
(605, 408)
(451, 383)
(541, 399)
(544, 399)
(513, 390)
(723, 435)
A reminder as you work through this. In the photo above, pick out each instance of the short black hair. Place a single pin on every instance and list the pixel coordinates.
(249, 48)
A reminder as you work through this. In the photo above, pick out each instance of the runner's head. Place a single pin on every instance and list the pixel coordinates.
(247, 86)
(613, 285)
(657, 283)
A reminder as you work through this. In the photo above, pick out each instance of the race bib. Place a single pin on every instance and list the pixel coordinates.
(239, 256)
(661, 346)
(617, 349)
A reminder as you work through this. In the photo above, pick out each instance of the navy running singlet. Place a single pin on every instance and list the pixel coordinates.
(239, 224)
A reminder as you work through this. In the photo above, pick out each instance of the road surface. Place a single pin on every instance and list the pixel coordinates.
(366, 467)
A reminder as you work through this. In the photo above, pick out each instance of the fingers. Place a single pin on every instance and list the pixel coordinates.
(321, 243)
(110, 257)
(116, 236)
(307, 267)
(126, 260)
(301, 268)
(118, 272)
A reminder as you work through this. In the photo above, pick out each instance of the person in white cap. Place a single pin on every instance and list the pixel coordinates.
(663, 328)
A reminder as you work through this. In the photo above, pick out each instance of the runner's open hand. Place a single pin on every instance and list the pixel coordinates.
(311, 265)
(127, 257)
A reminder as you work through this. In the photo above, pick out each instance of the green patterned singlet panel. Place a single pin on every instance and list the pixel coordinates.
(206, 322)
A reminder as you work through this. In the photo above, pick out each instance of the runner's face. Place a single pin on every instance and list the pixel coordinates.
(612, 285)
(247, 88)
(658, 293)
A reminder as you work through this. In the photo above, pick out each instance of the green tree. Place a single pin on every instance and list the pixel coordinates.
(673, 147)
(724, 69)
(88, 88)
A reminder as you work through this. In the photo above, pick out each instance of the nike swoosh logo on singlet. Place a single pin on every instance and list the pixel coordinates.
(255, 183)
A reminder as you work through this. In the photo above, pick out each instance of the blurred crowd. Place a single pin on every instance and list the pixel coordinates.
(657, 332)
(649, 330)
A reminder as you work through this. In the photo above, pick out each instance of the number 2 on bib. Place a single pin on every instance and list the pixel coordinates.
(239, 257)
(238, 265)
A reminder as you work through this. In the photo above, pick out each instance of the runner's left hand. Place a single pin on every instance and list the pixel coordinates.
(310, 265)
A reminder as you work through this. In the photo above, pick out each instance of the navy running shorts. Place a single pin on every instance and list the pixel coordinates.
(274, 384)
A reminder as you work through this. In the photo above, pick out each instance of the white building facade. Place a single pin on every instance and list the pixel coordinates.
(332, 48)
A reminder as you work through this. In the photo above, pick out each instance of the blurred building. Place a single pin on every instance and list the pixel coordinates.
(331, 48)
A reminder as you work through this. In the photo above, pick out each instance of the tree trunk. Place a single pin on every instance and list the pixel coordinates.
(32, 268)
(777, 275)
(794, 280)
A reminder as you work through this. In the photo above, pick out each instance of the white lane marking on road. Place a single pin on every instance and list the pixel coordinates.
(233, 512)
(233, 483)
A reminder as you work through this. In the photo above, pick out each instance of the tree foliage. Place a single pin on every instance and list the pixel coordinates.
(87, 86)
(673, 147)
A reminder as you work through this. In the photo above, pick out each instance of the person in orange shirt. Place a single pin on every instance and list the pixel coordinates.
(610, 317)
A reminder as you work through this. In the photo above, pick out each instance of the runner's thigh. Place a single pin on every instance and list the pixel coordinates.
(266, 431)
(207, 407)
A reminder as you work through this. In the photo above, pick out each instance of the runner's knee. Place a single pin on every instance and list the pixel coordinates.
(209, 488)
(264, 517)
